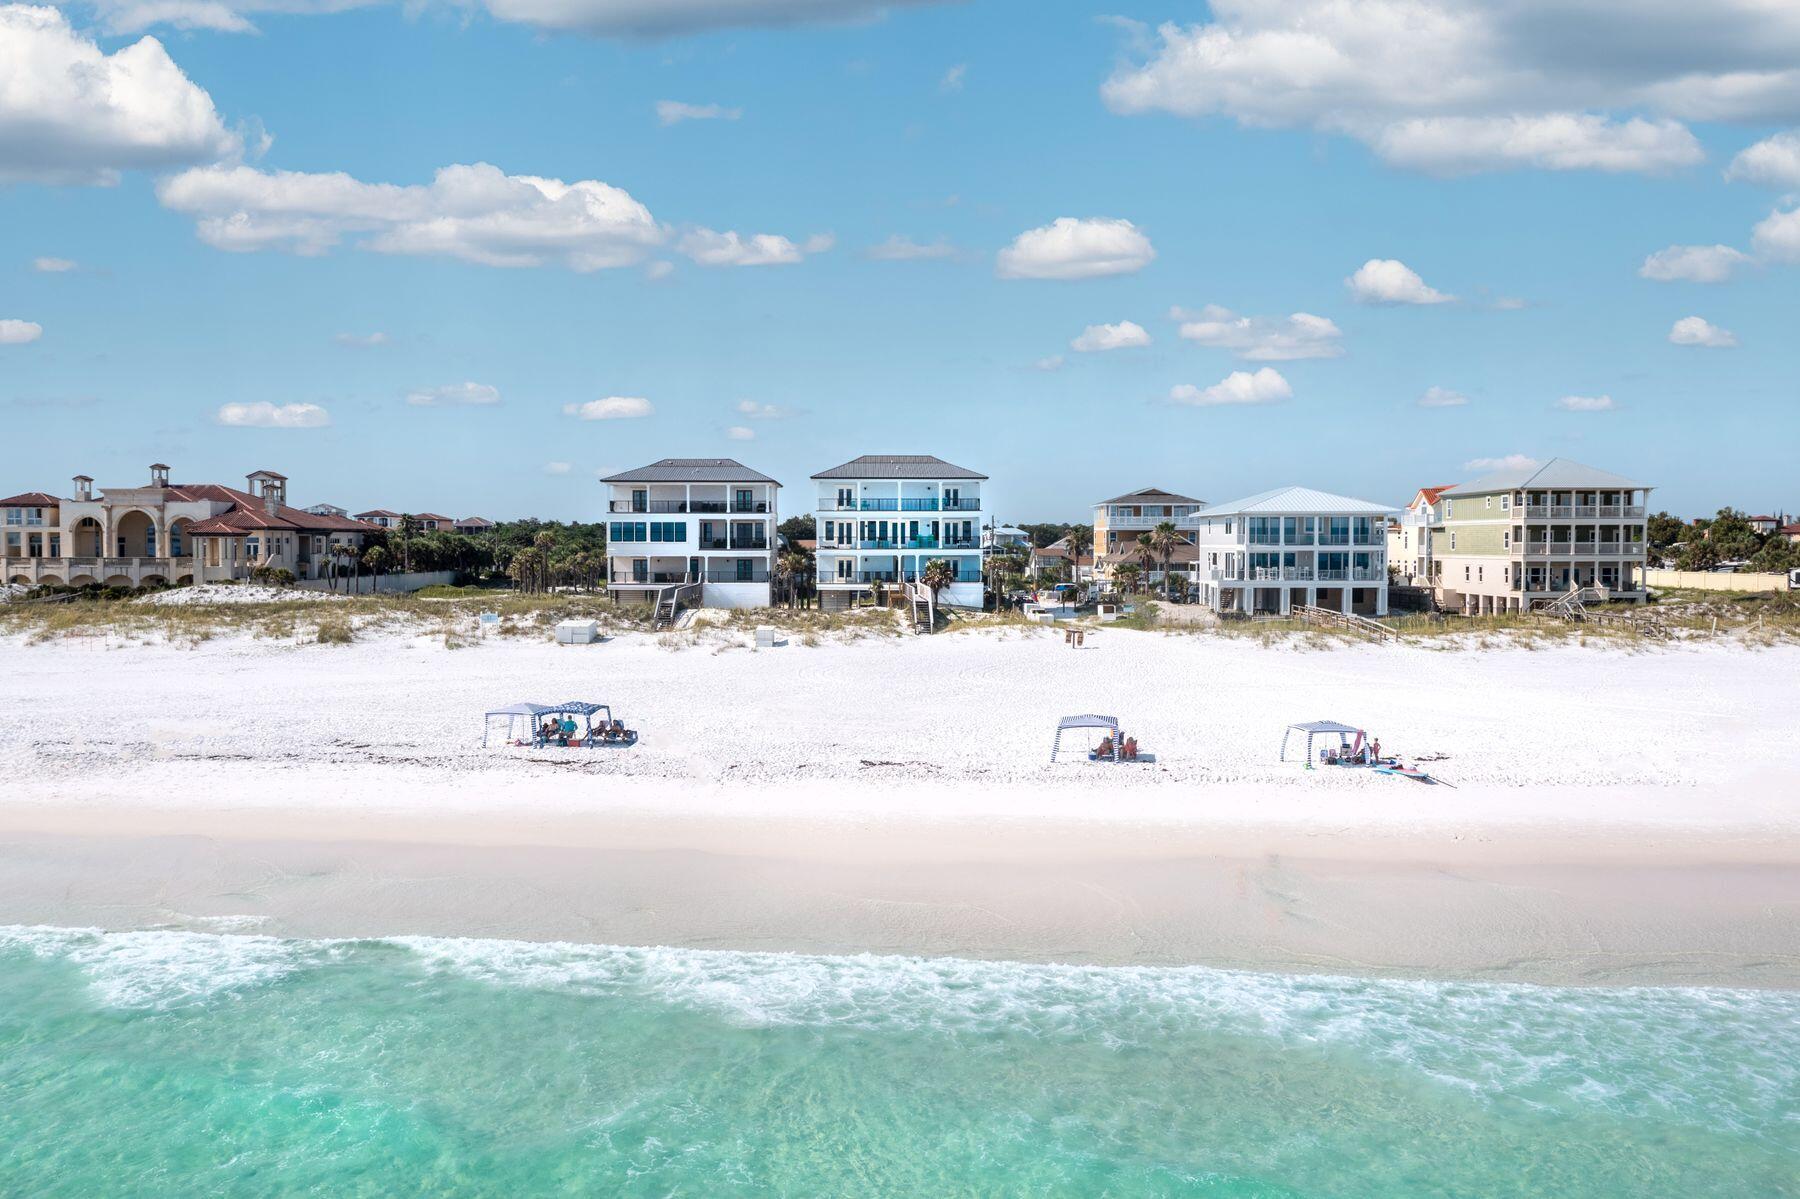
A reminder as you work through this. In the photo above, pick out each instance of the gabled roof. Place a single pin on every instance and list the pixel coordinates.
(376, 512)
(898, 466)
(472, 521)
(1299, 501)
(1430, 495)
(30, 499)
(1152, 495)
(442, 520)
(248, 513)
(692, 470)
(1558, 472)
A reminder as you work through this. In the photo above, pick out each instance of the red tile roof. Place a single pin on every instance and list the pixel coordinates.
(376, 512)
(248, 513)
(1430, 494)
(30, 499)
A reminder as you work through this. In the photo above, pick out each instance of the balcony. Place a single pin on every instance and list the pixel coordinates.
(876, 543)
(750, 543)
(919, 543)
(964, 505)
(879, 505)
(656, 506)
(758, 574)
(710, 543)
(926, 504)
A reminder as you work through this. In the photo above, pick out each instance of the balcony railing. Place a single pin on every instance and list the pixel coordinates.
(925, 504)
(964, 505)
(879, 505)
(749, 543)
(730, 575)
(710, 543)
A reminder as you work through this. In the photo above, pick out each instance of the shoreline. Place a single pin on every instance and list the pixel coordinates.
(1620, 907)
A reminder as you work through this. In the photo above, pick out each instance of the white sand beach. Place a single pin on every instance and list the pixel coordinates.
(1608, 814)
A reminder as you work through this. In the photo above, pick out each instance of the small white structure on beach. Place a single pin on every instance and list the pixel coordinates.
(1293, 545)
(577, 632)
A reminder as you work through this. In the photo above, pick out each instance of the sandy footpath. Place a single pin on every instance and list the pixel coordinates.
(1615, 817)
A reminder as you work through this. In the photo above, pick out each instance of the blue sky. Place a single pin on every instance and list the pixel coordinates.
(1257, 184)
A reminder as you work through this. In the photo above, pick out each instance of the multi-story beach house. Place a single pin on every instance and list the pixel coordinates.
(1518, 539)
(470, 526)
(1409, 538)
(380, 518)
(1294, 545)
(1119, 523)
(1004, 539)
(328, 510)
(883, 518)
(167, 533)
(702, 522)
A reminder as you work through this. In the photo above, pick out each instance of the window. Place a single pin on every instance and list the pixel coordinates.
(628, 531)
(1452, 540)
(1506, 539)
(1487, 501)
(830, 530)
(667, 530)
(1506, 502)
(1465, 574)
(15, 516)
(1479, 572)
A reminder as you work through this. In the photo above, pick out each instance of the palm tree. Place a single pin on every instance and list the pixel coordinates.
(346, 556)
(1080, 540)
(409, 525)
(791, 567)
(1164, 539)
(938, 574)
(1146, 555)
(1126, 575)
(377, 559)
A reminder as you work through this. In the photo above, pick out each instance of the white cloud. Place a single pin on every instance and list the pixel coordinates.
(454, 395)
(1261, 338)
(1510, 462)
(1265, 386)
(264, 415)
(1697, 331)
(741, 433)
(17, 333)
(558, 468)
(904, 249)
(662, 268)
(1772, 162)
(1123, 336)
(1390, 281)
(1455, 85)
(710, 248)
(474, 213)
(1069, 248)
(1558, 142)
(756, 411)
(673, 112)
(1693, 264)
(1054, 362)
(362, 341)
(53, 266)
(1442, 397)
(1586, 404)
(611, 408)
(72, 114)
(953, 78)
(668, 18)
(1777, 236)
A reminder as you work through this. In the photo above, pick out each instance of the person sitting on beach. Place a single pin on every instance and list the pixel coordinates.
(548, 732)
(1129, 751)
(1104, 749)
(568, 730)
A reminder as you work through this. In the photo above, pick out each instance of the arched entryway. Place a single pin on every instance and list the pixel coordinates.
(26, 579)
(84, 581)
(184, 580)
(134, 535)
(180, 544)
(50, 580)
(153, 581)
(119, 581)
(90, 538)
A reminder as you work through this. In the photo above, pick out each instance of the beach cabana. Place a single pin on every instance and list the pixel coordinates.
(1086, 722)
(1318, 728)
(533, 715)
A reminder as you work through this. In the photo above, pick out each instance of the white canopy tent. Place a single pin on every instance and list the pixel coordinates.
(1318, 728)
(1086, 721)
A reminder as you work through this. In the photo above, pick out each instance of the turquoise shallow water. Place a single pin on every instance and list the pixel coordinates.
(167, 1063)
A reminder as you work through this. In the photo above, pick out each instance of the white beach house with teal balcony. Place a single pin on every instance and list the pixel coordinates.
(883, 518)
(704, 525)
(1268, 552)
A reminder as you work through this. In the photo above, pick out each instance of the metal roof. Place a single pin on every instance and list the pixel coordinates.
(1088, 720)
(1558, 472)
(692, 470)
(898, 466)
(1153, 495)
(1300, 501)
(1323, 726)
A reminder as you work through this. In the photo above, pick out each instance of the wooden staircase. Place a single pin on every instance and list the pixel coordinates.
(669, 601)
(921, 607)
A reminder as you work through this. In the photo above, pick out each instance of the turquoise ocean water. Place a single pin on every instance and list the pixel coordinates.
(170, 1063)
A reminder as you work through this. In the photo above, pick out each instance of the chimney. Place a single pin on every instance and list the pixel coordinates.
(84, 488)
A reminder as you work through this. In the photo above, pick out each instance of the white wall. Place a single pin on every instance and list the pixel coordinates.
(386, 584)
(735, 595)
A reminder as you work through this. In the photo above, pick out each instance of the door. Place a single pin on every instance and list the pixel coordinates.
(746, 570)
(694, 575)
(640, 501)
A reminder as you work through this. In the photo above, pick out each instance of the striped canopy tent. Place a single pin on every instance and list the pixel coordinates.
(1318, 728)
(1086, 721)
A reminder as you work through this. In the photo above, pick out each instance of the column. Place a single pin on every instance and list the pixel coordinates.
(1346, 594)
(1381, 604)
(1287, 604)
